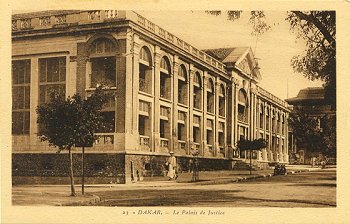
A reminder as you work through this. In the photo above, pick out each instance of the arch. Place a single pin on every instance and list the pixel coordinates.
(222, 90)
(182, 72)
(165, 64)
(198, 79)
(210, 85)
(145, 56)
(106, 38)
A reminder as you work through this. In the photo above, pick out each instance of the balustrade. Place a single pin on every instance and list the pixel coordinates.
(164, 143)
(104, 139)
(110, 14)
(182, 144)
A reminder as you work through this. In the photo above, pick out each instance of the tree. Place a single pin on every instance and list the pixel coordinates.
(317, 28)
(255, 145)
(65, 123)
(305, 131)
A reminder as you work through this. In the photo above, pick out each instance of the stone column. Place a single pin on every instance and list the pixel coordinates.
(235, 123)
(71, 78)
(287, 137)
(135, 90)
(190, 109)
(174, 118)
(216, 122)
(156, 115)
(34, 99)
(204, 117)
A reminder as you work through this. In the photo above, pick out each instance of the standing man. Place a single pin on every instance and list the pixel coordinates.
(172, 167)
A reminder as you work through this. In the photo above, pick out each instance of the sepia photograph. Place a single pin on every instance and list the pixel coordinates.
(173, 113)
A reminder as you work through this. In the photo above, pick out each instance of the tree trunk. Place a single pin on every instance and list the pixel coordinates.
(82, 171)
(71, 173)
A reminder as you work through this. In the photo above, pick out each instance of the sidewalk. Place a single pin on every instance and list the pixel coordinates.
(58, 195)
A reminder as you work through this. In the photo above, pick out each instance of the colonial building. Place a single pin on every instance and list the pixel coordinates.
(170, 96)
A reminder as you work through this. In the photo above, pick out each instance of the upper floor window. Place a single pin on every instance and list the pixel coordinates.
(210, 96)
(242, 106)
(261, 116)
(182, 85)
(145, 71)
(197, 91)
(267, 119)
(102, 46)
(222, 100)
(103, 63)
(165, 78)
(20, 96)
(52, 72)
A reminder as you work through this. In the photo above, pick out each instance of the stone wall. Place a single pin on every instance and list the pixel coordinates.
(34, 165)
(51, 168)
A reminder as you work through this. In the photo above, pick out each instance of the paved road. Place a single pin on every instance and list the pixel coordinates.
(310, 189)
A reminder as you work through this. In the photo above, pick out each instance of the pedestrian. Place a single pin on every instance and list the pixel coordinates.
(190, 165)
(172, 167)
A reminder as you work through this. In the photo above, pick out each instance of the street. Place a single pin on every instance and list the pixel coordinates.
(308, 189)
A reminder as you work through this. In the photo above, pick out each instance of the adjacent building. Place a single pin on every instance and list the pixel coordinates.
(170, 96)
(312, 102)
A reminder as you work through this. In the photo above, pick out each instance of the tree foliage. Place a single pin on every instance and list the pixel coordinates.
(318, 29)
(72, 121)
(309, 135)
(65, 123)
(257, 144)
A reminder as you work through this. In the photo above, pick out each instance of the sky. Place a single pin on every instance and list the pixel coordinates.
(274, 49)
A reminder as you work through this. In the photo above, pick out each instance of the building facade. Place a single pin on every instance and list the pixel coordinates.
(170, 96)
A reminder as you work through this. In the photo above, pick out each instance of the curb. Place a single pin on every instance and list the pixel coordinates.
(95, 199)
(243, 179)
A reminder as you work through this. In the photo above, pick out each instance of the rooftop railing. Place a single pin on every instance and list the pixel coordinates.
(272, 97)
(95, 16)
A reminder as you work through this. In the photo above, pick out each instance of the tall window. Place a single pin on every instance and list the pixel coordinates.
(20, 96)
(103, 63)
(182, 86)
(261, 117)
(222, 101)
(165, 78)
(210, 134)
(181, 126)
(210, 96)
(164, 123)
(145, 71)
(267, 120)
(197, 91)
(52, 72)
(242, 107)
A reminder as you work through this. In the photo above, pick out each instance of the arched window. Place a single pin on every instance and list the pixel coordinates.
(182, 86)
(210, 96)
(222, 101)
(197, 91)
(103, 63)
(242, 106)
(165, 78)
(145, 71)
